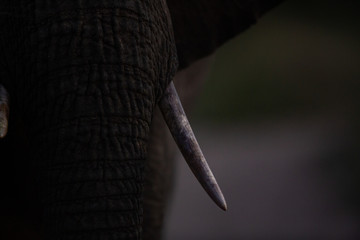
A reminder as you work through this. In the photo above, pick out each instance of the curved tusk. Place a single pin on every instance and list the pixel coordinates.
(184, 137)
(4, 111)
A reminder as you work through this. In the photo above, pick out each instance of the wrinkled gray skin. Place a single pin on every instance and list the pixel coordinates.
(84, 79)
(87, 155)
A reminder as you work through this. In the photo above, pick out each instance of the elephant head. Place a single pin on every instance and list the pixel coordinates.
(84, 78)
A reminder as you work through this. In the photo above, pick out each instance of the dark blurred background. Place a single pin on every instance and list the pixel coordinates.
(278, 121)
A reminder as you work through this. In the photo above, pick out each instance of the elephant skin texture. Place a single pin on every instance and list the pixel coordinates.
(85, 136)
(94, 73)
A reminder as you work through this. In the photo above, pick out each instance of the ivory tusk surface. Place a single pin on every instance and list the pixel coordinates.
(184, 137)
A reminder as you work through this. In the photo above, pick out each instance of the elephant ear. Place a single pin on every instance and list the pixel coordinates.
(200, 27)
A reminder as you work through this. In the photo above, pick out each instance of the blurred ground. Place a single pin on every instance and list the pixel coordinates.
(279, 123)
(275, 183)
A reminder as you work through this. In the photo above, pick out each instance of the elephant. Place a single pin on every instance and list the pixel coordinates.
(87, 154)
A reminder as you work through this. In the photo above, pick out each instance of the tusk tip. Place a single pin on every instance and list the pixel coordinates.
(217, 196)
(223, 206)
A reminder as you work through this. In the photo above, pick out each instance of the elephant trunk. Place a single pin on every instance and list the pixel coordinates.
(91, 76)
(92, 177)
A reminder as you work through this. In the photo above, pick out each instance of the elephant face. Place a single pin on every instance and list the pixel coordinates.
(84, 79)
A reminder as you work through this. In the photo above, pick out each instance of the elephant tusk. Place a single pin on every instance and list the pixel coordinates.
(4, 111)
(184, 137)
